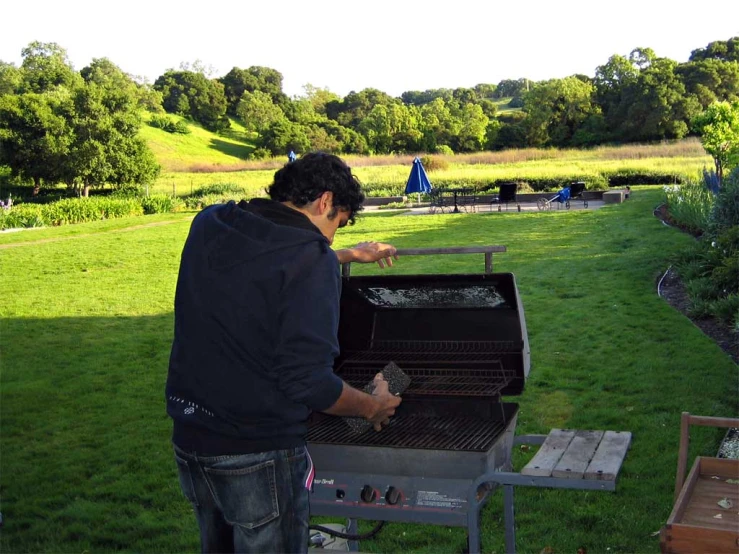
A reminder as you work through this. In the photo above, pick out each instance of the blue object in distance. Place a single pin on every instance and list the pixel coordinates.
(418, 181)
(291, 157)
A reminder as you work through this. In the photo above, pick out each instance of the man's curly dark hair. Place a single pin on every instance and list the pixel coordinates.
(305, 179)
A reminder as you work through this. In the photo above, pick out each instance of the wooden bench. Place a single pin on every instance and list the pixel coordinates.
(567, 459)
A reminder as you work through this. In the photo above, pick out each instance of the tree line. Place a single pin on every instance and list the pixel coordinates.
(81, 128)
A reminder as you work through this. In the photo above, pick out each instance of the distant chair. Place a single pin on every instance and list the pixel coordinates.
(577, 190)
(506, 195)
(437, 201)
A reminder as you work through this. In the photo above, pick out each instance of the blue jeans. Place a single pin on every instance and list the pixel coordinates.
(248, 502)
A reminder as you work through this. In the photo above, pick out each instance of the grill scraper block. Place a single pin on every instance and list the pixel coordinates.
(397, 381)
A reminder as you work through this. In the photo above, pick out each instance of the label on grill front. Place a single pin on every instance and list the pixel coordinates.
(438, 500)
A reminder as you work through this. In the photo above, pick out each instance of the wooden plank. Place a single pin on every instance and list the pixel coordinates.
(678, 508)
(575, 460)
(609, 456)
(680, 538)
(542, 464)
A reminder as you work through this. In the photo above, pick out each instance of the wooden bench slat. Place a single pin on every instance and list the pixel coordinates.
(542, 464)
(575, 460)
(609, 457)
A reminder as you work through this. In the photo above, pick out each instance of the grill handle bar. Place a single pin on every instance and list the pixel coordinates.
(487, 250)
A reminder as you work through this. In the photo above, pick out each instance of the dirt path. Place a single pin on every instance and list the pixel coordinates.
(58, 239)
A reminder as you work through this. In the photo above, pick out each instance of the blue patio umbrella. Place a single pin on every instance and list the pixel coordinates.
(418, 181)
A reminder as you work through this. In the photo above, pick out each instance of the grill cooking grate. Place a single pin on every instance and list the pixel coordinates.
(470, 368)
(414, 431)
(425, 381)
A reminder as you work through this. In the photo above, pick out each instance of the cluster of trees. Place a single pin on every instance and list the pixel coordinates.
(637, 98)
(59, 125)
(79, 128)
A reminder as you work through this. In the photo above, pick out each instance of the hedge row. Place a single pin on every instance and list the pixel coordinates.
(80, 210)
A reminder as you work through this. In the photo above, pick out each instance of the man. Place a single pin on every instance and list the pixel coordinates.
(256, 321)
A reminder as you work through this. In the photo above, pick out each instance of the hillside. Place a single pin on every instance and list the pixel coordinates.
(200, 150)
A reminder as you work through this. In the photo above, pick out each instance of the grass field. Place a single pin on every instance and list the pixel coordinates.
(86, 461)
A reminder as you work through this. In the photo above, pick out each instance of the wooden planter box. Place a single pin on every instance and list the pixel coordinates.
(693, 526)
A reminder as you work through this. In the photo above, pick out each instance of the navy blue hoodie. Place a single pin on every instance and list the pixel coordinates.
(256, 317)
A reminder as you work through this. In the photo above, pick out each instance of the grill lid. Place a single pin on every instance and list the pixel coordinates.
(461, 335)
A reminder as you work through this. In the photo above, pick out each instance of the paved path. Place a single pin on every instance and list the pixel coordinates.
(576, 205)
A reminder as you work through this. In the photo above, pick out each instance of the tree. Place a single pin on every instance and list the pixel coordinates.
(555, 110)
(264, 79)
(192, 94)
(257, 111)
(656, 105)
(511, 87)
(610, 82)
(727, 50)
(718, 127)
(283, 136)
(357, 105)
(319, 97)
(10, 78)
(471, 136)
(45, 66)
(106, 148)
(710, 80)
(35, 136)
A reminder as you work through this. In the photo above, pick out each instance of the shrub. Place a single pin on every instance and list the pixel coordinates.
(160, 204)
(127, 191)
(434, 163)
(166, 123)
(725, 211)
(444, 150)
(72, 210)
(22, 216)
(690, 206)
(224, 189)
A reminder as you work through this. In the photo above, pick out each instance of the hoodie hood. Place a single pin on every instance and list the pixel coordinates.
(233, 234)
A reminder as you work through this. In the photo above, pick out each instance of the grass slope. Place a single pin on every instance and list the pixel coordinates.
(199, 149)
(87, 325)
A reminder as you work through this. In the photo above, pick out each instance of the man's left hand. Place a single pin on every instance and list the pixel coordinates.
(368, 252)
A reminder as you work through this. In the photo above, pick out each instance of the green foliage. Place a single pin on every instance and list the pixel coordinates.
(86, 334)
(68, 211)
(690, 205)
(434, 163)
(219, 188)
(160, 204)
(22, 216)
(718, 126)
(193, 94)
(726, 205)
(128, 191)
(200, 202)
(168, 124)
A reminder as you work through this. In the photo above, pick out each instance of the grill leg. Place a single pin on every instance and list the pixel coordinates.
(473, 524)
(353, 529)
(510, 520)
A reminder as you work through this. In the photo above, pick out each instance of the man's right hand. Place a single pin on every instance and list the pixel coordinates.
(385, 403)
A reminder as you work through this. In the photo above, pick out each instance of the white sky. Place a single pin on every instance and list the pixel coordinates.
(344, 45)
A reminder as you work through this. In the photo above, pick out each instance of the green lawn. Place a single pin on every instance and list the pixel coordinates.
(86, 462)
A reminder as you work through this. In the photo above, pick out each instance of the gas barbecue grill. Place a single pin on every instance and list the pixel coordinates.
(462, 340)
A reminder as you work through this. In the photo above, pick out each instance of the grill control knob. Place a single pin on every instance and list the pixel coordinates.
(393, 496)
(368, 494)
